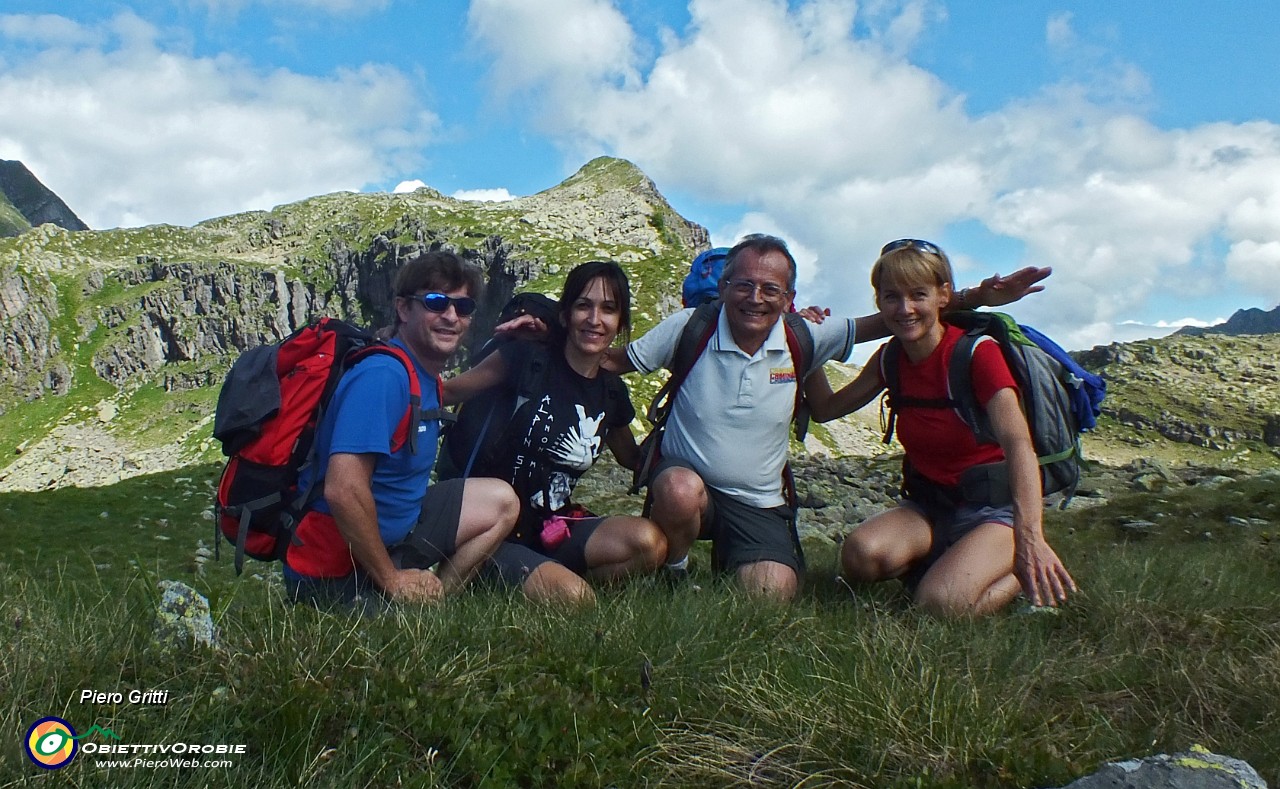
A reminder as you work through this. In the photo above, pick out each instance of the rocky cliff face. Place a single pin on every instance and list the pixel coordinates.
(1215, 391)
(33, 200)
(99, 326)
(115, 342)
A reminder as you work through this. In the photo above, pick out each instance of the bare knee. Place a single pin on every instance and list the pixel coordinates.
(679, 491)
(862, 559)
(649, 545)
(769, 580)
(555, 584)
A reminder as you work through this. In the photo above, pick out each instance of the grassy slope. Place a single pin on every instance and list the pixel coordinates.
(12, 222)
(294, 237)
(1174, 640)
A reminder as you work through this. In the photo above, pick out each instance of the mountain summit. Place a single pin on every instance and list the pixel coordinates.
(1248, 321)
(26, 203)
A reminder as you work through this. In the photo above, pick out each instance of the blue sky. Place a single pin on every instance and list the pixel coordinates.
(1134, 146)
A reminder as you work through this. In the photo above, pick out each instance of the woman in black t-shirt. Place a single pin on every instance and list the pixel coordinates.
(555, 424)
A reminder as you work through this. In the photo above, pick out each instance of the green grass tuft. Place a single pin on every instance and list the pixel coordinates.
(1173, 640)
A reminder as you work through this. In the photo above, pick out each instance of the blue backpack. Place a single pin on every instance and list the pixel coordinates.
(1059, 397)
(702, 283)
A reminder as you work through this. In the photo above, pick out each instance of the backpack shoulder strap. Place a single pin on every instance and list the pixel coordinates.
(692, 342)
(960, 384)
(529, 383)
(694, 338)
(800, 344)
(531, 378)
(406, 429)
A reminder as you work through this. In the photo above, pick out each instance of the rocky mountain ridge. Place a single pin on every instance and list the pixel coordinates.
(1246, 321)
(116, 341)
(26, 203)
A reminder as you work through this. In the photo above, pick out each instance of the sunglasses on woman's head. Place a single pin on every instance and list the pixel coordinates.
(439, 302)
(903, 243)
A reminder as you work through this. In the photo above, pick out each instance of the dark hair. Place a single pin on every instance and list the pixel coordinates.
(438, 270)
(760, 243)
(615, 280)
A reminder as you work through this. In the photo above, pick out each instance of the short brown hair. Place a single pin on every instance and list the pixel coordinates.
(911, 265)
(438, 270)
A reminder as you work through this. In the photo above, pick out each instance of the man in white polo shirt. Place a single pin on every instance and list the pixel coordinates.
(725, 446)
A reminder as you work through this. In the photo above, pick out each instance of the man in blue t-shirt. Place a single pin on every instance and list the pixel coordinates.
(373, 535)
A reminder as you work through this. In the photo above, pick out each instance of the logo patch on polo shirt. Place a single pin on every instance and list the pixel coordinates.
(782, 375)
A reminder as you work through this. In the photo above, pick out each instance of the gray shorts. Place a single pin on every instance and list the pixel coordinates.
(949, 526)
(434, 537)
(741, 534)
(512, 562)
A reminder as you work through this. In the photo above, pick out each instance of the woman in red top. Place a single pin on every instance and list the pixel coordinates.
(960, 558)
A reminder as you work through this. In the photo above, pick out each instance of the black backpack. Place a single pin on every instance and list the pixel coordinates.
(478, 435)
(1045, 387)
(693, 341)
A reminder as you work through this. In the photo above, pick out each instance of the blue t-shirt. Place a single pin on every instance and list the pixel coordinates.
(363, 415)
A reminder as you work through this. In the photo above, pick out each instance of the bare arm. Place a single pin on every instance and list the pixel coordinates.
(1043, 577)
(622, 443)
(994, 291)
(825, 405)
(617, 361)
(348, 489)
(485, 375)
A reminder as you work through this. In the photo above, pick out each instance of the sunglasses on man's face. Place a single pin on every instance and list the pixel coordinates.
(903, 243)
(439, 302)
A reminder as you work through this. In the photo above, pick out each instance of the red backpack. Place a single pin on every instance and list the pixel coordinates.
(268, 410)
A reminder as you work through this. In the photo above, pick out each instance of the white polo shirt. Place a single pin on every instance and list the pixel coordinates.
(731, 420)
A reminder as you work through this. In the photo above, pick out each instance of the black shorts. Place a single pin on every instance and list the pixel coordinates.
(742, 534)
(512, 562)
(435, 536)
(433, 539)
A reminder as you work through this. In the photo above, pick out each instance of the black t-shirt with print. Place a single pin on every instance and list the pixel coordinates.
(553, 438)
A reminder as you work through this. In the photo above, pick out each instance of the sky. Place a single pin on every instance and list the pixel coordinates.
(1133, 146)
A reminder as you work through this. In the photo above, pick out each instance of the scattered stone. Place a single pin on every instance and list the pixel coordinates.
(1197, 768)
(1136, 529)
(1217, 481)
(183, 618)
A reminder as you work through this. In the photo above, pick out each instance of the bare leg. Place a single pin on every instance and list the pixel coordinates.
(974, 577)
(624, 545)
(772, 580)
(489, 510)
(679, 499)
(884, 546)
(552, 582)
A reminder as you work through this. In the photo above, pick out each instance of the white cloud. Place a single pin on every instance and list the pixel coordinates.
(840, 140)
(484, 195)
(407, 186)
(44, 30)
(1257, 264)
(162, 136)
(561, 44)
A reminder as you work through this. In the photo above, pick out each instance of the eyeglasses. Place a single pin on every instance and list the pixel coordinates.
(746, 288)
(903, 243)
(438, 302)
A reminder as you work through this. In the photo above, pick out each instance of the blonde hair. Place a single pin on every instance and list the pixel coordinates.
(912, 266)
